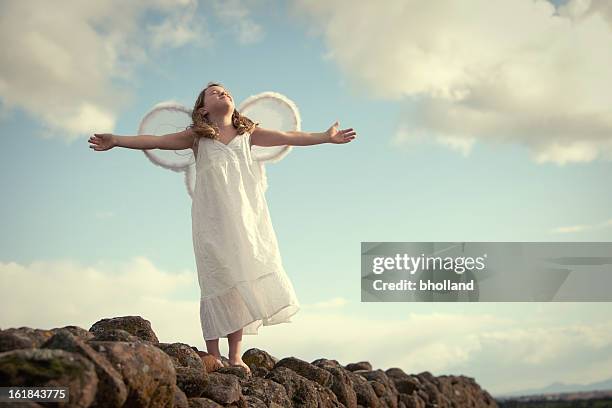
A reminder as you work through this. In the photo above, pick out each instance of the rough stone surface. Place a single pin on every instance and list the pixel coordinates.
(49, 368)
(120, 362)
(135, 325)
(147, 371)
(112, 391)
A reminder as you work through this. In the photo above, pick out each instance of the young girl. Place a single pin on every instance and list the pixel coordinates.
(242, 280)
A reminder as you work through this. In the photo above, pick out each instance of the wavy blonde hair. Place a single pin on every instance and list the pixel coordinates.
(203, 126)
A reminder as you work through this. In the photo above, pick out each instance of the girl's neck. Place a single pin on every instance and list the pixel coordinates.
(222, 122)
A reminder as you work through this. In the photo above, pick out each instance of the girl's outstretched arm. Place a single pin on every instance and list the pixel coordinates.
(268, 137)
(172, 141)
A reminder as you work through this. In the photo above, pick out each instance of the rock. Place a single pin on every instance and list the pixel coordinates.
(134, 325)
(342, 384)
(23, 338)
(111, 391)
(464, 391)
(253, 402)
(362, 365)
(76, 331)
(48, 368)
(301, 391)
(306, 370)
(147, 371)
(222, 388)
(267, 391)
(180, 399)
(203, 403)
(115, 335)
(255, 357)
(191, 380)
(404, 383)
(383, 387)
(239, 372)
(366, 397)
(25, 404)
(13, 339)
(429, 384)
(413, 401)
(259, 372)
(182, 355)
(120, 362)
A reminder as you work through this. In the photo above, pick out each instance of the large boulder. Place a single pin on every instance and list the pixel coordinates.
(147, 371)
(267, 391)
(112, 391)
(222, 388)
(23, 338)
(114, 335)
(182, 355)
(255, 357)
(366, 397)
(192, 381)
(135, 325)
(180, 399)
(301, 391)
(50, 368)
(382, 385)
(306, 370)
(362, 365)
(77, 331)
(203, 403)
(341, 384)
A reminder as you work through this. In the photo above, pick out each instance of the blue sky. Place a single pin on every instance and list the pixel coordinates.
(88, 235)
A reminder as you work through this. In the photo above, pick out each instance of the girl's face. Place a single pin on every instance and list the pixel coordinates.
(218, 99)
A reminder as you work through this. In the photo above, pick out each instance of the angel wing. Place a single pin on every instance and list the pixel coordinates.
(271, 109)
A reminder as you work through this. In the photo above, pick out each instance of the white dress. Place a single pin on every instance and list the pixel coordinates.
(242, 280)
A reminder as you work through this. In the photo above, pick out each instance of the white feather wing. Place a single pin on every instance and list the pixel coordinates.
(271, 110)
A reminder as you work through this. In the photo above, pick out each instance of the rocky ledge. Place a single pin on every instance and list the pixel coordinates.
(119, 362)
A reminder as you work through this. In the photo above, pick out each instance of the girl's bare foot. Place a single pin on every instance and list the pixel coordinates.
(218, 359)
(238, 362)
(212, 362)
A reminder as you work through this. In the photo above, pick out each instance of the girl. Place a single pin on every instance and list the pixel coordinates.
(242, 280)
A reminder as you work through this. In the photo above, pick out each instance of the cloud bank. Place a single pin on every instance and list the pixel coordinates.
(70, 64)
(490, 71)
(503, 353)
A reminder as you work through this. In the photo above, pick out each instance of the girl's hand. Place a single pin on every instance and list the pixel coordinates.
(102, 141)
(340, 136)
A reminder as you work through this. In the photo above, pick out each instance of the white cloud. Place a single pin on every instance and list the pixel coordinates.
(582, 227)
(495, 71)
(61, 62)
(181, 27)
(236, 14)
(537, 346)
(418, 342)
(47, 294)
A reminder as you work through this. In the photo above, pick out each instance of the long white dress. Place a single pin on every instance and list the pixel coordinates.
(242, 280)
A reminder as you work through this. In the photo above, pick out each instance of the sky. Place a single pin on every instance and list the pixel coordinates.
(484, 120)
